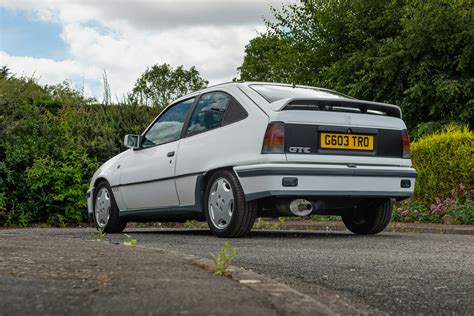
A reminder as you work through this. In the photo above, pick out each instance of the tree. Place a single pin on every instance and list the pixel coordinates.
(269, 58)
(418, 54)
(161, 84)
(5, 72)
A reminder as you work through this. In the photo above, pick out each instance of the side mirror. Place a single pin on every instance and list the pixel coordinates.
(132, 141)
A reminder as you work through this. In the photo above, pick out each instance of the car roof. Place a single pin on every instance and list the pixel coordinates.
(248, 84)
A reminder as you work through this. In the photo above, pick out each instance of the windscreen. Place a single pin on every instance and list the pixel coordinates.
(274, 93)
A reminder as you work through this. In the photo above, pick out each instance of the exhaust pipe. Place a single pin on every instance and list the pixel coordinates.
(301, 207)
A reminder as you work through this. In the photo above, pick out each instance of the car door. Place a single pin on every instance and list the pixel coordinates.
(147, 174)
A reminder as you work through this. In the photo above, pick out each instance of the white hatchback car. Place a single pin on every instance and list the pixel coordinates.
(235, 151)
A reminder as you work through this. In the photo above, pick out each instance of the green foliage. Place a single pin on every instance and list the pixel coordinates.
(456, 208)
(417, 54)
(326, 218)
(59, 184)
(444, 187)
(194, 224)
(52, 139)
(268, 58)
(130, 241)
(443, 160)
(223, 258)
(100, 234)
(262, 223)
(413, 211)
(2, 201)
(26, 132)
(161, 84)
(463, 213)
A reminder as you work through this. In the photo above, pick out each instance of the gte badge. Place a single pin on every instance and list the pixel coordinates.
(300, 150)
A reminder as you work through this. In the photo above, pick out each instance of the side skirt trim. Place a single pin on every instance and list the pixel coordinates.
(159, 210)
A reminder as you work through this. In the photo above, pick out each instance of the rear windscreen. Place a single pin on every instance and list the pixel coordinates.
(274, 93)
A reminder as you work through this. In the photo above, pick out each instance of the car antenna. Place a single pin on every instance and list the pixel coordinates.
(294, 85)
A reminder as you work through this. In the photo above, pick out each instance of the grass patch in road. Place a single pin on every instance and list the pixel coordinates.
(264, 223)
(130, 241)
(193, 224)
(100, 234)
(223, 259)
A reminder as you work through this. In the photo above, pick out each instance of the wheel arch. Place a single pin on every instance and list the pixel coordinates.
(99, 180)
(202, 183)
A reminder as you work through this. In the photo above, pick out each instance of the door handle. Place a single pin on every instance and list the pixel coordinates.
(170, 154)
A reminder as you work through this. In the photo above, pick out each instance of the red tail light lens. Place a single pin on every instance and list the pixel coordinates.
(274, 140)
(406, 144)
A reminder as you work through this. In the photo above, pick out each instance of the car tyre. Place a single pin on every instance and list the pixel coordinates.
(106, 212)
(226, 217)
(370, 217)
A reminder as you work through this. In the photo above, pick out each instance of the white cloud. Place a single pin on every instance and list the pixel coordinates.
(124, 37)
(48, 71)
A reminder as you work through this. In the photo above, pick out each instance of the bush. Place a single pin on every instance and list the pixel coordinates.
(51, 141)
(59, 185)
(443, 160)
(457, 208)
(443, 192)
(412, 211)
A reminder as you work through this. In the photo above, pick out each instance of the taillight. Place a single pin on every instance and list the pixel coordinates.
(274, 140)
(406, 144)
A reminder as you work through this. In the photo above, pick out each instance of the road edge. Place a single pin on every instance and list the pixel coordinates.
(394, 227)
(285, 300)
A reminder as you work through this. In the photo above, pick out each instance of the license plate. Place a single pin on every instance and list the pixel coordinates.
(346, 141)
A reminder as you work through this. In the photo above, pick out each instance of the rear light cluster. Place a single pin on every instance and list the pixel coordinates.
(274, 140)
(406, 144)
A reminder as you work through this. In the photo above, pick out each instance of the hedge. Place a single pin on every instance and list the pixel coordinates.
(443, 160)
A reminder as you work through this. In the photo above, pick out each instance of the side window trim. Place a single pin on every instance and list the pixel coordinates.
(166, 110)
(196, 102)
(187, 121)
(169, 107)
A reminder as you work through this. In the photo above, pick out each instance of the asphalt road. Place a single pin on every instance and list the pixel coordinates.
(396, 273)
(53, 275)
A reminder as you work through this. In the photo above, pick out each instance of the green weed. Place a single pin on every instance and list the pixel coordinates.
(193, 224)
(262, 223)
(100, 234)
(223, 258)
(129, 241)
(325, 218)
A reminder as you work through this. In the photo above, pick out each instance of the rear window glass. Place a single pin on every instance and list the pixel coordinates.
(274, 93)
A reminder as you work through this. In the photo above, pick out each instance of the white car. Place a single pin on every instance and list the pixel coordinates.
(235, 151)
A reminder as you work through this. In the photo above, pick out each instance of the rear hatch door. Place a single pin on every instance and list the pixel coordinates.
(341, 131)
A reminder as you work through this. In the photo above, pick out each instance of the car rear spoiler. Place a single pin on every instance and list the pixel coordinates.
(340, 105)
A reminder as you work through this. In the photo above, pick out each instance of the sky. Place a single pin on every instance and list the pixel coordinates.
(76, 40)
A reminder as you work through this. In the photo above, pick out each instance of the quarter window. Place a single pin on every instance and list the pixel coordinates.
(169, 126)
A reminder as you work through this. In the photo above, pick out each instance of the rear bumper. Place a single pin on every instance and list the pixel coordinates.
(264, 180)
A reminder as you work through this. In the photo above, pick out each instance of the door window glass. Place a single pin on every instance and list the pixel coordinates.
(168, 127)
(209, 112)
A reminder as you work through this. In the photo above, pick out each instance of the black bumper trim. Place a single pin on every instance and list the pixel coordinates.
(302, 193)
(352, 172)
(157, 180)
